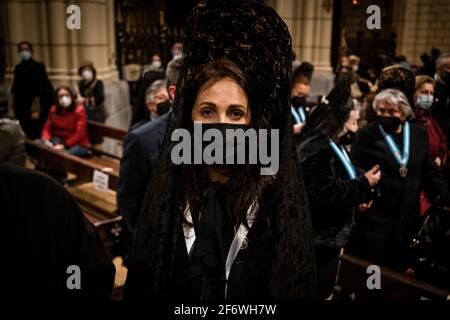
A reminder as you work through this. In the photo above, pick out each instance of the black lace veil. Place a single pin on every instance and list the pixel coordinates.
(254, 38)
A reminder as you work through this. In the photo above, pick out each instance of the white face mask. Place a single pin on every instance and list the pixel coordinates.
(65, 101)
(25, 55)
(156, 64)
(87, 75)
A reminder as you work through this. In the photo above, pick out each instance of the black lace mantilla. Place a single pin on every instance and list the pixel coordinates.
(256, 39)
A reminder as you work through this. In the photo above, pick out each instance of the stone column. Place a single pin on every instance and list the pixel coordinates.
(43, 23)
(310, 24)
(421, 25)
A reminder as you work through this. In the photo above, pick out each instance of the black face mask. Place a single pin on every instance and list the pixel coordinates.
(298, 102)
(163, 107)
(222, 127)
(389, 124)
(446, 79)
(348, 138)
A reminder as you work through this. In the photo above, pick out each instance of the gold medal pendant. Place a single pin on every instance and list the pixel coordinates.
(403, 171)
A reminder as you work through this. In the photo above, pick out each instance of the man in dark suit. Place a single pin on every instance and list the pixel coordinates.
(140, 153)
(32, 92)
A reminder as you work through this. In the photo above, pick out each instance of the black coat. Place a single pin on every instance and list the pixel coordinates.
(440, 110)
(248, 280)
(331, 194)
(43, 233)
(30, 81)
(383, 232)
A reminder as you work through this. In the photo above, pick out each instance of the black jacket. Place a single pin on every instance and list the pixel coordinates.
(331, 194)
(440, 110)
(44, 232)
(140, 151)
(384, 231)
(30, 81)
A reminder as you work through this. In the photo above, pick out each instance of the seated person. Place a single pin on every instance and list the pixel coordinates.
(12, 138)
(65, 128)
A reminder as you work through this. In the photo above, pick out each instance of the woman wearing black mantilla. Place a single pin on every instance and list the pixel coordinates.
(215, 233)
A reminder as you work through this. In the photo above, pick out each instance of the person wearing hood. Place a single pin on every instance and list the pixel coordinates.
(32, 92)
(65, 128)
(301, 87)
(335, 190)
(215, 232)
(401, 148)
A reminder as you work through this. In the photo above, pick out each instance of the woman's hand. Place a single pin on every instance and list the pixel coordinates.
(373, 175)
(80, 99)
(298, 128)
(364, 206)
(58, 147)
(438, 161)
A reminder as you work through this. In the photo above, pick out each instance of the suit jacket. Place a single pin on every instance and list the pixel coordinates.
(383, 232)
(140, 152)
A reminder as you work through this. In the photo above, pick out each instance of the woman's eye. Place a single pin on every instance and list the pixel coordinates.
(236, 114)
(207, 112)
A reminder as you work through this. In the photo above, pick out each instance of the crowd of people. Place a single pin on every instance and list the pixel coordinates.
(359, 170)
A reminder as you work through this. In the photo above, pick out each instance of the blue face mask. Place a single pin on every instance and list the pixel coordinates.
(424, 101)
(25, 55)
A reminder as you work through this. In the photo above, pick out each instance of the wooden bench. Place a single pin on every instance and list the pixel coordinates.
(83, 168)
(352, 278)
(104, 131)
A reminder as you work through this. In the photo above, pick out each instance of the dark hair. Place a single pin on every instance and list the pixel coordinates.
(24, 42)
(246, 184)
(72, 95)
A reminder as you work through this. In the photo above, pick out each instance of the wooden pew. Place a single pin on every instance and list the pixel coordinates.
(102, 130)
(352, 278)
(83, 168)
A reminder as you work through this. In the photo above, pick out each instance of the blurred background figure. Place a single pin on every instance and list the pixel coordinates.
(32, 92)
(12, 138)
(47, 233)
(156, 102)
(91, 94)
(300, 90)
(65, 128)
(177, 50)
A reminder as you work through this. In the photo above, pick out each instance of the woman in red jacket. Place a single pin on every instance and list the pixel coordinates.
(65, 128)
(423, 98)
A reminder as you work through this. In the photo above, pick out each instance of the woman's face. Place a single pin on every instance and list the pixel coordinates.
(225, 101)
(352, 122)
(386, 109)
(427, 89)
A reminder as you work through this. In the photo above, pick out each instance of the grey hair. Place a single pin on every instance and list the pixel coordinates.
(173, 71)
(396, 97)
(153, 88)
(441, 60)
